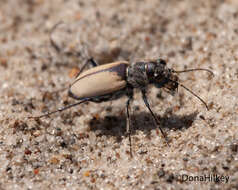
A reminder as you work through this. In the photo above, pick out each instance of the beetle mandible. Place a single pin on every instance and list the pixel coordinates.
(111, 81)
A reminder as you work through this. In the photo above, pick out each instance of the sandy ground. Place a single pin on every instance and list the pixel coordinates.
(86, 147)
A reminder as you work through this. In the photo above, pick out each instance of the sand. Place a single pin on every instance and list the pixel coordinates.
(86, 147)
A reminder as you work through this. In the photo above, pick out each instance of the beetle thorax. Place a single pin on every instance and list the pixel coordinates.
(136, 75)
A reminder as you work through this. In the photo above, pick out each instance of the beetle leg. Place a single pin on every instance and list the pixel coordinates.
(92, 62)
(89, 61)
(128, 121)
(153, 115)
(60, 109)
(57, 48)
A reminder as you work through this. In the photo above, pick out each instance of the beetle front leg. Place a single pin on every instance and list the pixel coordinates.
(153, 115)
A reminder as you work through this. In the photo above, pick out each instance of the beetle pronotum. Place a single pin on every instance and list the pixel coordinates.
(111, 81)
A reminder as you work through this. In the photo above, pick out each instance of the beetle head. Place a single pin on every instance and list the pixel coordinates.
(161, 76)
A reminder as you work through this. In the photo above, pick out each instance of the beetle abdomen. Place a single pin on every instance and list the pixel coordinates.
(101, 80)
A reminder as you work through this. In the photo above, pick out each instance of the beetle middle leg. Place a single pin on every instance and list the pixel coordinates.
(128, 121)
(153, 115)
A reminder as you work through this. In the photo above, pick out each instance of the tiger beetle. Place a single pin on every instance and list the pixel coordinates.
(113, 80)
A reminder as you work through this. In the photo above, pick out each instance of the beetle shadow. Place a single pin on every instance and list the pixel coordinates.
(143, 121)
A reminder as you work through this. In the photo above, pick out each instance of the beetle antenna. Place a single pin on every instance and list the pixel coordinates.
(198, 69)
(194, 95)
(58, 110)
(191, 93)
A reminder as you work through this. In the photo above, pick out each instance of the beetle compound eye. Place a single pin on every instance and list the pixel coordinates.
(161, 61)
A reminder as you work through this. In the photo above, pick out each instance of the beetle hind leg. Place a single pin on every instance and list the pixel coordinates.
(90, 61)
(52, 42)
